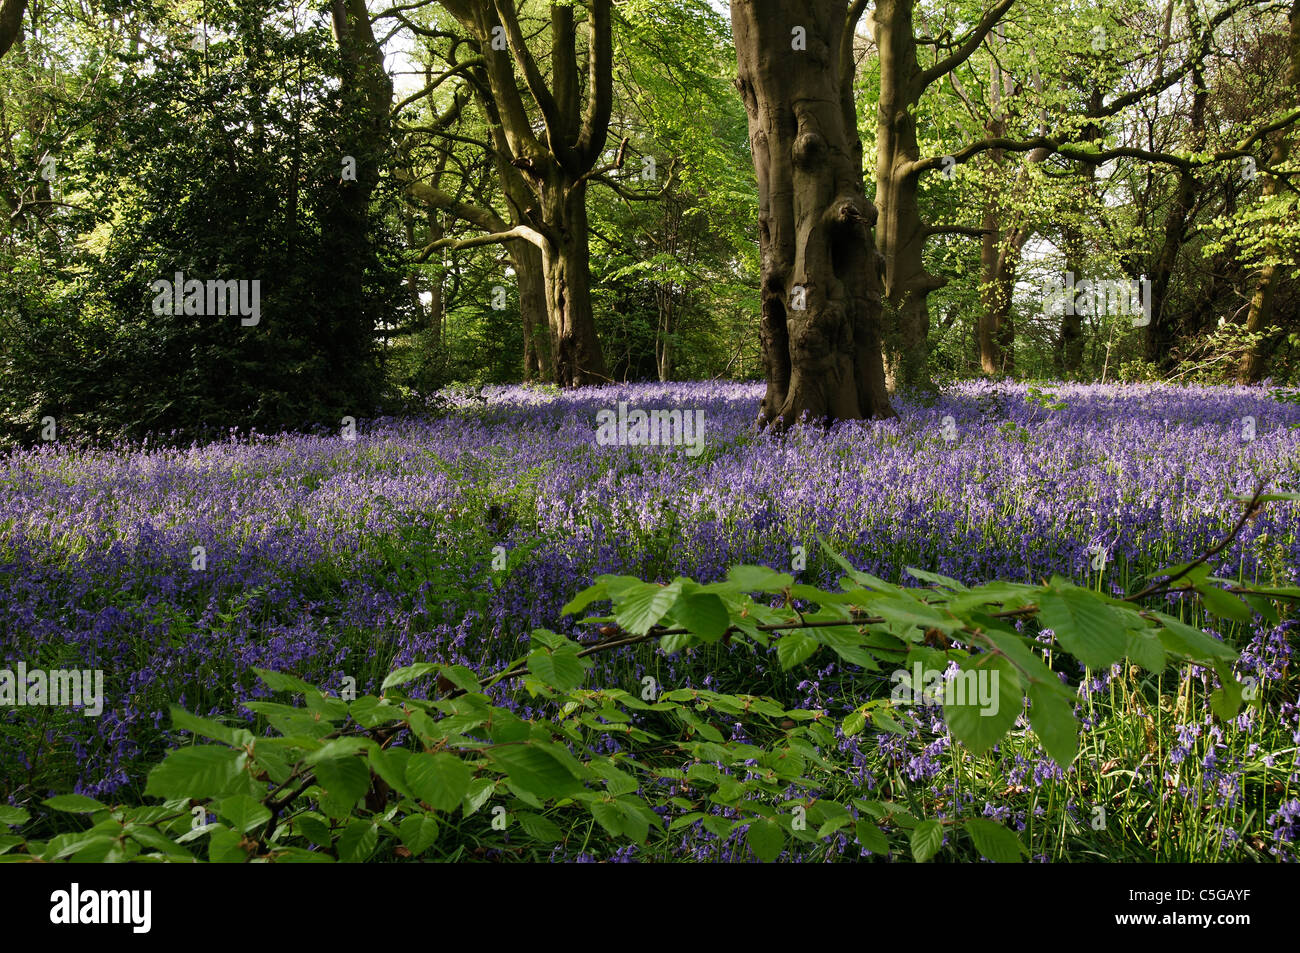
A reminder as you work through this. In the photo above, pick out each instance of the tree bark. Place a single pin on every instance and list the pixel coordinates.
(566, 267)
(11, 23)
(1162, 331)
(1069, 347)
(556, 165)
(821, 294)
(1254, 363)
(527, 261)
(901, 232)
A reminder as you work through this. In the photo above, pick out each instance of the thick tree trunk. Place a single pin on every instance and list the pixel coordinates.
(1254, 363)
(553, 166)
(901, 232)
(539, 347)
(11, 23)
(820, 280)
(566, 266)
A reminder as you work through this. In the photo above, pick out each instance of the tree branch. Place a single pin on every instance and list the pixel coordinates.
(968, 46)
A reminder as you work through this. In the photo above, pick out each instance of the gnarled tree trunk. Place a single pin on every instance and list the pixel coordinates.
(820, 270)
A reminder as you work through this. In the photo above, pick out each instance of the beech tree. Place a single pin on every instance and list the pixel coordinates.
(555, 164)
(821, 290)
(11, 23)
(1258, 320)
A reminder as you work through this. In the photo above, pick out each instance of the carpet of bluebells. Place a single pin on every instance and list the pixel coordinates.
(341, 558)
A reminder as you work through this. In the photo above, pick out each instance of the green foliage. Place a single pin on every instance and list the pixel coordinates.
(221, 165)
(411, 773)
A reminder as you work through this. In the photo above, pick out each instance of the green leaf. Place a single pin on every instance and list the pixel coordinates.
(872, 837)
(1144, 648)
(480, 789)
(1026, 659)
(284, 682)
(639, 607)
(561, 668)
(1223, 604)
(759, 579)
(243, 813)
(539, 828)
(795, 647)
(904, 610)
(861, 578)
(357, 842)
(419, 832)
(1190, 642)
(462, 677)
(344, 781)
(198, 771)
(224, 847)
(609, 817)
(184, 721)
(337, 748)
(390, 764)
(703, 614)
(440, 780)
(883, 720)
(1085, 626)
(717, 826)
(982, 701)
(854, 722)
(370, 712)
(1052, 718)
(534, 769)
(408, 673)
(999, 844)
(13, 816)
(505, 726)
(156, 840)
(73, 804)
(585, 598)
(926, 839)
(1266, 609)
(313, 829)
(933, 577)
(1226, 701)
(297, 855)
(766, 839)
